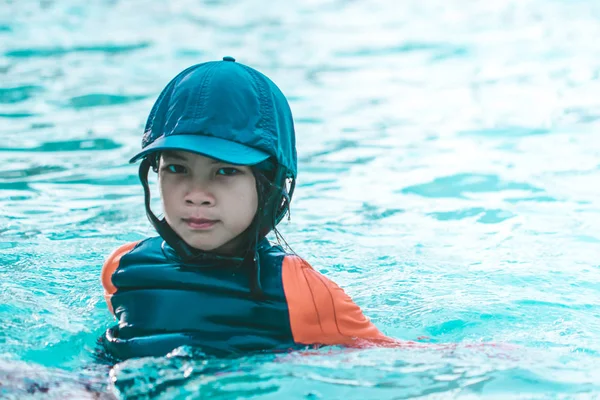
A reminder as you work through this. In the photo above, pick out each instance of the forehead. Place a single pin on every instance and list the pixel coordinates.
(192, 157)
(186, 156)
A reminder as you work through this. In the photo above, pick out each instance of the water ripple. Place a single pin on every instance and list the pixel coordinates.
(460, 185)
(68, 145)
(30, 171)
(448, 160)
(62, 51)
(95, 100)
(439, 50)
(485, 216)
(19, 93)
(507, 132)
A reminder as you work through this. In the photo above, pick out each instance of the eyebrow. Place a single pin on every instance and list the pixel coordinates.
(172, 154)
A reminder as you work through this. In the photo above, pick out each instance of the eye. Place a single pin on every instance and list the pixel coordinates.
(228, 171)
(174, 169)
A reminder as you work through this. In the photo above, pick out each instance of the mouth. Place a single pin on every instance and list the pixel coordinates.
(200, 224)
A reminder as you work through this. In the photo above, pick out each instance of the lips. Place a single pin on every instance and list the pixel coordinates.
(200, 223)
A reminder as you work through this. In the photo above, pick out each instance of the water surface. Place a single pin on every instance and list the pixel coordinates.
(448, 168)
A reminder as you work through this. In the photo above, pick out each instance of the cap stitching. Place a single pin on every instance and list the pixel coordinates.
(149, 137)
(266, 108)
(207, 78)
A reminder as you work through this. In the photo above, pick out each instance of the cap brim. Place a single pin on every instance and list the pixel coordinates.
(209, 146)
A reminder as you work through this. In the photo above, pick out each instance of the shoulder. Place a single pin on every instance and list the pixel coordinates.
(121, 250)
(320, 311)
(268, 249)
(112, 263)
(302, 281)
(310, 295)
(295, 267)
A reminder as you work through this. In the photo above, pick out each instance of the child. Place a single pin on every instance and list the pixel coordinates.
(221, 138)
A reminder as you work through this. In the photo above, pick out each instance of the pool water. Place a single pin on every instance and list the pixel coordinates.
(449, 161)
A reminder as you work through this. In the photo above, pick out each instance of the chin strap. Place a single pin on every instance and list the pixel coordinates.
(255, 284)
(161, 226)
(256, 288)
(268, 192)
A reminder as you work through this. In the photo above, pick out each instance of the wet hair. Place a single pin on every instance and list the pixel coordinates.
(274, 199)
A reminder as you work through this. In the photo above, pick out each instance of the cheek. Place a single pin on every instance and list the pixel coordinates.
(250, 195)
(251, 201)
(246, 202)
(168, 192)
(162, 188)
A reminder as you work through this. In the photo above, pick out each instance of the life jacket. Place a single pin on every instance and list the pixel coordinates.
(161, 303)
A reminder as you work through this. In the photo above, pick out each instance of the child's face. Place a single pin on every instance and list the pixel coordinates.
(208, 203)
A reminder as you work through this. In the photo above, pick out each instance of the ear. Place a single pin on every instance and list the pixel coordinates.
(155, 161)
(286, 200)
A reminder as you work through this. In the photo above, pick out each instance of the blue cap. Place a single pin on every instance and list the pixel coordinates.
(223, 110)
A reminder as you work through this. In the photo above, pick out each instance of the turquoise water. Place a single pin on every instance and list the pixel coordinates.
(449, 167)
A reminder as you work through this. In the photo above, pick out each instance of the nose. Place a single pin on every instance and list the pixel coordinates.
(199, 195)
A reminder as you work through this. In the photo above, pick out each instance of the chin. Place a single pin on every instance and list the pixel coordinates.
(203, 246)
(199, 242)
